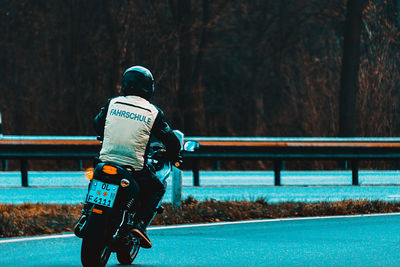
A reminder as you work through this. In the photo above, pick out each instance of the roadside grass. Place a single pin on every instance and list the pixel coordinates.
(40, 219)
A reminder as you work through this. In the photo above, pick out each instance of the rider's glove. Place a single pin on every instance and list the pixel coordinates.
(159, 155)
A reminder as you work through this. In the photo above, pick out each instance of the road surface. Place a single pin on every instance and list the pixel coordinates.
(335, 241)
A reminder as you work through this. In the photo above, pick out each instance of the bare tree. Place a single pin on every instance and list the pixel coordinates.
(350, 68)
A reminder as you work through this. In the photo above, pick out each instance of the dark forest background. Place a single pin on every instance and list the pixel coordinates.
(222, 68)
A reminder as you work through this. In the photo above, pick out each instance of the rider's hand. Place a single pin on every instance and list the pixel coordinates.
(159, 155)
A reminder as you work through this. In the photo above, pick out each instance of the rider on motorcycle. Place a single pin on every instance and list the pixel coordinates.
(126, 123)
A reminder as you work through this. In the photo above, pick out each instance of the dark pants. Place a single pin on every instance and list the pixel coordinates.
(151, 191)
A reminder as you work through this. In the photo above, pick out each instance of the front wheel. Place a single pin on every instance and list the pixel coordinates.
(94, 253)
(127, 253)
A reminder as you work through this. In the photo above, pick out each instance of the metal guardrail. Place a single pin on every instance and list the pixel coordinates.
(280, 149)
(215, 148)
(46, 147)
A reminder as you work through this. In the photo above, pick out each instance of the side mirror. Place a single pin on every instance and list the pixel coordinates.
(191, 146)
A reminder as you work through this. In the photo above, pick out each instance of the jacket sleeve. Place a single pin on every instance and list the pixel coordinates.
(100, 120)
(164, 133)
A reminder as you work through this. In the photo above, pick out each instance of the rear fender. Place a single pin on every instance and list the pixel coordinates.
(100, 223)
(124, 194)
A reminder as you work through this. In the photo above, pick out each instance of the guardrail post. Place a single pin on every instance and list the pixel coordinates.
(278, 165)
(80, 164)
(177, 178)
(344, 164)
(217, 165)
(3, 161)
(24, 172)
(4, 165)
(196, 175)
(354, 172)
(176, 187)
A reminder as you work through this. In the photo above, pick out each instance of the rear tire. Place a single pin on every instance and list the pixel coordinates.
(126, 254)
(94, 253)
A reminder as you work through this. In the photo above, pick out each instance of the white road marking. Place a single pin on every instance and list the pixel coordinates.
(270, 220)
(22, 239)
(153, 228)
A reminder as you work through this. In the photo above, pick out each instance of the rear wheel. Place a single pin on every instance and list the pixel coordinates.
(126, 254)
(94, 253)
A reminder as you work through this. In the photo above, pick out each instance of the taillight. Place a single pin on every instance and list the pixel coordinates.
(125, 183)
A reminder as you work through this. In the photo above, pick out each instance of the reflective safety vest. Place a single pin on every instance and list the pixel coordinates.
(127, 131)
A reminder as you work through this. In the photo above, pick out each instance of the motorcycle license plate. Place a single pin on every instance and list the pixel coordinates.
(102, 193)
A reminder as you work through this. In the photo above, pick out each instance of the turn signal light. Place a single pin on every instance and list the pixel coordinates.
(125, 183)
(89, 173)
(109, 169)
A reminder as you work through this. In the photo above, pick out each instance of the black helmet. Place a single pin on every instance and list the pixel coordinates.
(138, 80)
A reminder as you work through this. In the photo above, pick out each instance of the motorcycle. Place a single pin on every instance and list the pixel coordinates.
(109, 209)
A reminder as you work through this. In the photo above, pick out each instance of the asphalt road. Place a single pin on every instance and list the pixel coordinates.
(337, 241)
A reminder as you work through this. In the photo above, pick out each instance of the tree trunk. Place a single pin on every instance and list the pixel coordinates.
(190, 91)
(350, 68)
